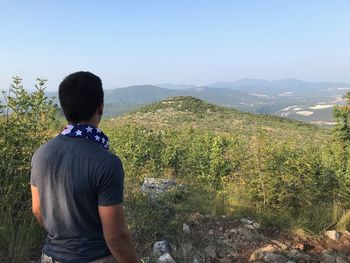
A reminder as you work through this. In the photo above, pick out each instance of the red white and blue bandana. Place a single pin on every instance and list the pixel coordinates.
(87, 132)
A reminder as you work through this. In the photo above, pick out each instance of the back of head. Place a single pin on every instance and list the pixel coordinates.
(80, 95)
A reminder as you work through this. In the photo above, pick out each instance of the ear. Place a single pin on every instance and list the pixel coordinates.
(100, 109)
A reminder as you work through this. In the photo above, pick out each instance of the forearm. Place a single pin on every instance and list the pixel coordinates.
(39, 218)
(123, 248)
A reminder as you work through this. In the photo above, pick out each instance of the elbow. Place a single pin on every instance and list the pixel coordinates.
(35, 211)
(118, 239)
(37, 214)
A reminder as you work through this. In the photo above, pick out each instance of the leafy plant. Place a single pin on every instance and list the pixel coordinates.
(26, 122)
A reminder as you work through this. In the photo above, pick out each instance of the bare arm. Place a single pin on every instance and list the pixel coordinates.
(36, 204)
(117, 234)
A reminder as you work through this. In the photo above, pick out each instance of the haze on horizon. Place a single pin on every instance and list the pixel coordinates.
(175, 42)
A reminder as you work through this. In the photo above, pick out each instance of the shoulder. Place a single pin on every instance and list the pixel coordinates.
(44, 148)
(112, 161)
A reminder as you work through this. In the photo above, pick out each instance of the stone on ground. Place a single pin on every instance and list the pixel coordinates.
(166, 258)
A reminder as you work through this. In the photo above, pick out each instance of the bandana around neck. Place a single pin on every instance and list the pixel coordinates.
(87, 132)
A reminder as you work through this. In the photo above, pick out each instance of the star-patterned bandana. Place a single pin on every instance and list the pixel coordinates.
(87, 132)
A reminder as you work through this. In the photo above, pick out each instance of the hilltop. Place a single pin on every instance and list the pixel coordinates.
(182, 104)
(178, 113)
(232, 168)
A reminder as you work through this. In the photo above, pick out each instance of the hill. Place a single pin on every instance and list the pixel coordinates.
(291, 98)
(178, 113)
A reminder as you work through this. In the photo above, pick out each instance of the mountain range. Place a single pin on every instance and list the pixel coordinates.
(296, 99)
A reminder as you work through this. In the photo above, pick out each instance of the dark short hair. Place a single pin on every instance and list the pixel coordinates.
(80, 95)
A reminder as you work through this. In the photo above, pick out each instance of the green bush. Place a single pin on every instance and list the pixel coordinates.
(26, 122)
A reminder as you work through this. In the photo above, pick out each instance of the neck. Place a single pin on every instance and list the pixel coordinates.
(92, 123)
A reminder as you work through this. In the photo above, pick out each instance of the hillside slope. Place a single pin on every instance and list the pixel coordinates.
(189, 112)
(306, 101)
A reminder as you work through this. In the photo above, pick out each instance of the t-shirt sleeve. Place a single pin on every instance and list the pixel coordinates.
(110, 186)
(33, 174)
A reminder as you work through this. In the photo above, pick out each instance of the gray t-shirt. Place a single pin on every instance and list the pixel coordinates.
(74, 176)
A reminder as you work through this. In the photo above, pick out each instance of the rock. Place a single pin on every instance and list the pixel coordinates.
(340, 260)
(156, 185)
(256, 225)
(166, 258)
(186, 228)
(299, 246)
(260, 253)
(299, 255)
(275, 258)
(211, 232)
(248, 235)
(251, 227)
(332, 234)
(328, 259)
(221, 252)
(233, 230)
(255, 256)
(246, 221)
(186, 249)
(198, 258)
(210, 251)
(161, 247)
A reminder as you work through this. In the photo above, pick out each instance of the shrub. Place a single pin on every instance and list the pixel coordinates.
(24, 124)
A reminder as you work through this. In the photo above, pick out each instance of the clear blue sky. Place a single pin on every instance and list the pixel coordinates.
(194, 42)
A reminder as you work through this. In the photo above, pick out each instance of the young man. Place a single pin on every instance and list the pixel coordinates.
(77, 184)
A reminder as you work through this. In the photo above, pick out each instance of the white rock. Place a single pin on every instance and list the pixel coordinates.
(157, 185)
(246, 221)
(161, 247)
(332, 234)
(166, 258)
(249, 226)
(256, 225)
(186, 228)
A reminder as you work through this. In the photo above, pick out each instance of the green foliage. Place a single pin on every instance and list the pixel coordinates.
(342, 116)
(278, 169)
(181, 103)
(286, 177)
(153, 219)
(188, 155)
(341, 149)
(200, 156)
(231, 162)
(24, 125)
(139, 148)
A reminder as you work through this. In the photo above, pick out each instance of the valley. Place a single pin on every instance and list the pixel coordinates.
(288, 98)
